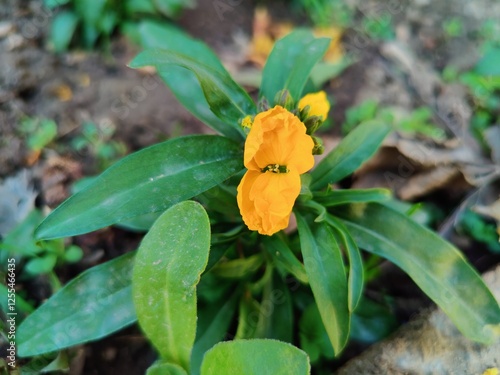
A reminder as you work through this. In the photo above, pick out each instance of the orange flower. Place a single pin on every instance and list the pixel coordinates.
(318, 104)
(277, 152)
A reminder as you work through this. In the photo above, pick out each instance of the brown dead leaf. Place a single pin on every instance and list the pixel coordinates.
(265, 33)
(63, 92)
(58, 174)
(33, 157)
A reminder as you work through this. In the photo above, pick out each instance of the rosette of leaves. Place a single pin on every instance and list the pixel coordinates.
(200, 276)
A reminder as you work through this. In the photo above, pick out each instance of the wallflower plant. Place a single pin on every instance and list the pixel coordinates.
(216, 263)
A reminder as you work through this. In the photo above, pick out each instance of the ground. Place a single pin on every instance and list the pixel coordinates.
(80, 86)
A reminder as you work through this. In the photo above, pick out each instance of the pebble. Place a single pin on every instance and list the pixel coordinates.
(5, 28)
(14, 41)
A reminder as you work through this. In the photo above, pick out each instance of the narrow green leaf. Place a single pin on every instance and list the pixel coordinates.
(255, 357)
(149, 180)
(62, 29)
(239, 268)
(290, 63)
(276, 312)
(183, 83)
(172, 8)
(283, 257)
(227, 100)
(326, 273)
(356, 272)
(169, 262)
(214, 331)
(162, 368)
(90, 14)
(357, 147)
(338, 197)
(313, 336)
(437, 267)
(92, 305)
(248, 317)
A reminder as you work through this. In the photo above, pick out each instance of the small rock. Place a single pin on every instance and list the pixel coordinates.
(14, 41)
(5, 28)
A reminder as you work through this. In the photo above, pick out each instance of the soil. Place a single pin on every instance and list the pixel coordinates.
(80, 86)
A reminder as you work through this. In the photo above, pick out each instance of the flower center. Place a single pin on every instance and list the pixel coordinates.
(275, 168)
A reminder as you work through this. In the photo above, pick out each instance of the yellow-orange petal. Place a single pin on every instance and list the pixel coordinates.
(266, 200)
(278, 137)
(318, 104)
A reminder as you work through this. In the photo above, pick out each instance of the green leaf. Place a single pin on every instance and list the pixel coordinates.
(238, 268)
(276, 313)
(357, 147)
(356, 271)
(290, 63)
(312, 334)
(41, 265)
(372, 322)
(437, 267)
(255, 357)
(227, 100)
(62, 29)
(248, 317)
(326, 273)
(149, 180)
(19, 241)
(338, 197)
(324, 71)
(90, 12)
(172, 8)
(54, 3)
(183, 83)
(169, 262)
(218, 324)
(162, 368)
(92, 305)
(284, 258)
(489, 64)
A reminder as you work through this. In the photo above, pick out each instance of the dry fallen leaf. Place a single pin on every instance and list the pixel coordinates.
(63, 92)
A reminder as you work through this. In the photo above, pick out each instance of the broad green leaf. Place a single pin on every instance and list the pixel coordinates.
(327, 278)
(62, 29)
(183, 83)
(92, 305)
(169, 262)
(356, 272)
(290, 63)
(284, 258)
(227, 100)
(357, 147)
(165, 368)
(213, 324)
(437, 267)
(255, 357)
(338, 197)
(147, 181)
